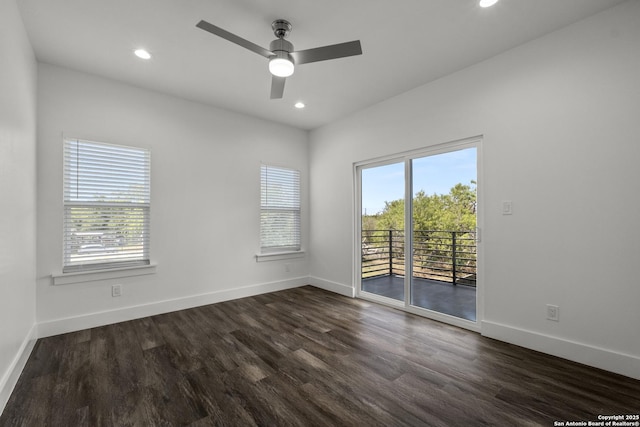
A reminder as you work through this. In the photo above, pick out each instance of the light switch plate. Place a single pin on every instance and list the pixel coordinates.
(507, 207)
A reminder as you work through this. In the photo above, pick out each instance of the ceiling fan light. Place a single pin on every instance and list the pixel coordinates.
(281, 67)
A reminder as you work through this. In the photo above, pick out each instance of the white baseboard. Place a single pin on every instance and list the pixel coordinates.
(10, 377)
(335, 287)
(92, 320)
(623, 364)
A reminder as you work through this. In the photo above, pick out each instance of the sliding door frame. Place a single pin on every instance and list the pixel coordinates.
(406, 158)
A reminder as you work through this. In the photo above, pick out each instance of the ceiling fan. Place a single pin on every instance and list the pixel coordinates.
(281, 55)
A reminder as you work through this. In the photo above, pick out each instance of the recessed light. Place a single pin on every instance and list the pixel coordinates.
(143, 54)
(487, 3)
(299, 105)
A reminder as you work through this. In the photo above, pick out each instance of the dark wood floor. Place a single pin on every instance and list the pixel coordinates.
(302, 357)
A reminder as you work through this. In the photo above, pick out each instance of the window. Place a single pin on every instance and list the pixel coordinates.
(280, 209)
(106, 206)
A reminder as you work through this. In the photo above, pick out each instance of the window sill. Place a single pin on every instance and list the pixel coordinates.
(112, 273)
(276, 256)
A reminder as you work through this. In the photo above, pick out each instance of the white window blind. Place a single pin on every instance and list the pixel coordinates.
(106, 206)
(280, 209)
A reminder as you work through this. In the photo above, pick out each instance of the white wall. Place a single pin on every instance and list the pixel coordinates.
(17, 196)
(560, 120)
(205, 186)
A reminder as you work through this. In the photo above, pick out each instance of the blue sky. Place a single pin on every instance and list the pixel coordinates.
(433, 174)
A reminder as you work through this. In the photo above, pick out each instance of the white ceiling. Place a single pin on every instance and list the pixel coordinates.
(405, 43)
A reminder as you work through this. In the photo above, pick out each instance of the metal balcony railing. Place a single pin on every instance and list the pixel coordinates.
(446, 256)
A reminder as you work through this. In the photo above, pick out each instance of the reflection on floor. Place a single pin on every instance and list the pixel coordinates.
(458, 301)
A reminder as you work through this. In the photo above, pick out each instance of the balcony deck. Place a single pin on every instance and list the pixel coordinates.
(443, 297)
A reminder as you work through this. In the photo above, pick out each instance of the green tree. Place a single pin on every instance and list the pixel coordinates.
(435, 219)
(392, 216)
(455, 211)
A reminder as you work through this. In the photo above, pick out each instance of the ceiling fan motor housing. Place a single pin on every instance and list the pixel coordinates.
(281, 48)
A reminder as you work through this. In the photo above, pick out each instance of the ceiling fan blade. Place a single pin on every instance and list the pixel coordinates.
(277, 87)
(333, 51)
(234, 39)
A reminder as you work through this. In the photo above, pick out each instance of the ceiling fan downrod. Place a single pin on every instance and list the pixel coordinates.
(281, 28)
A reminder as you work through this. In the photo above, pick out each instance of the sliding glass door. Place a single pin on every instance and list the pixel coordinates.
(417, 231)
(382, 225)
(443, 252)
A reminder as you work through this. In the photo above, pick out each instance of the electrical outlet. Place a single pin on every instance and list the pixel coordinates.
(116, 290)
(553, 312)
